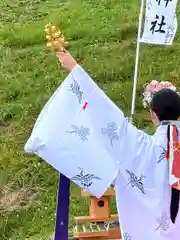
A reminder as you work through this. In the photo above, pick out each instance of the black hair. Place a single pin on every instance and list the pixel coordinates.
(166, 104)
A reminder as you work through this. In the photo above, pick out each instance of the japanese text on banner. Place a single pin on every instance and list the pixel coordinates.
(160, 22)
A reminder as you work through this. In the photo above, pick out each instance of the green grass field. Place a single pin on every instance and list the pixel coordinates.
(102, 37)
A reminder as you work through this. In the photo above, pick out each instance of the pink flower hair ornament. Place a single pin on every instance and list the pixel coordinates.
(153, 87)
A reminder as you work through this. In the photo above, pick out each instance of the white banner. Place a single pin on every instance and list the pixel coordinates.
(160, 22)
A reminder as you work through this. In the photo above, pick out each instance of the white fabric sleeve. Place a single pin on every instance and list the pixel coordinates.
(131, 138)
(83, 134)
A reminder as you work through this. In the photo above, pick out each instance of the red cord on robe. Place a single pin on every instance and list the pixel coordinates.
(176, 157)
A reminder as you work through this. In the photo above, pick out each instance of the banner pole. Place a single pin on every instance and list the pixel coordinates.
(137, 61)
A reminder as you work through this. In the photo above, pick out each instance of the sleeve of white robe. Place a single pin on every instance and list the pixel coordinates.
(89, 144)
(123, 141)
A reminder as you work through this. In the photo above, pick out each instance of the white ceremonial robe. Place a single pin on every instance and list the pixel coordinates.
(143, 193)
(85, 136)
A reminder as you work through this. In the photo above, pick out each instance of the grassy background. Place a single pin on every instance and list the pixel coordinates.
(102, 36)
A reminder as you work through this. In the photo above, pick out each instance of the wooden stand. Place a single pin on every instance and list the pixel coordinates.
(100, 224)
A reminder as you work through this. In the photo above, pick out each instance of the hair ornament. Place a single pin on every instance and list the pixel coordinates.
(153, 87)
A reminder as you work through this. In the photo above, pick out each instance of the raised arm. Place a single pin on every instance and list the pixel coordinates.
(66, 60)
(132, 141)
(89, 145)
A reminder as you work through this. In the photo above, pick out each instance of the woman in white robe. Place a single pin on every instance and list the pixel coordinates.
(146, 201)
(96, 136)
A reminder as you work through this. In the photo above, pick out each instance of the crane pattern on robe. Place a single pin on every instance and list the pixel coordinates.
(82, 132)
(86, 180)
(126, 236)
(76, 89)
(163, 222)
(162, 155)
(111, 132)
(135, 181)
